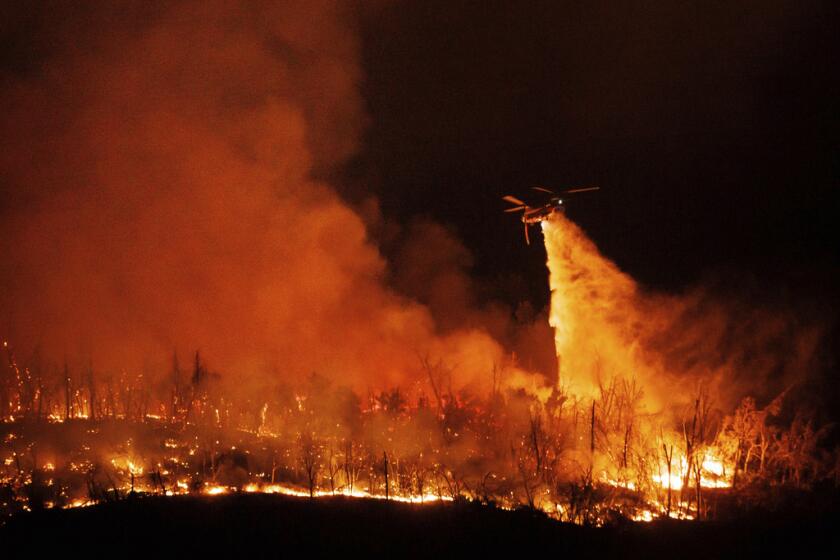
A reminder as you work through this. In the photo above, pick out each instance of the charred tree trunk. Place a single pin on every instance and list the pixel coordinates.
(91, 383)
(627, 434)
(176, 388)
(385, 462)
(349, 471)
(669, 454)
(689, 437)
(68, 407)
(698, 479)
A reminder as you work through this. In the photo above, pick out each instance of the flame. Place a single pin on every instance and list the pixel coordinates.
(126, 464)
(213, 490)
(644, 516)
(713, 465)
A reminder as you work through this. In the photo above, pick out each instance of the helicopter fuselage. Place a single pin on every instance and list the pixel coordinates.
(536, 215)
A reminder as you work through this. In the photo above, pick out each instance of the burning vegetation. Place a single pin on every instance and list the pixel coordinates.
(605, 442)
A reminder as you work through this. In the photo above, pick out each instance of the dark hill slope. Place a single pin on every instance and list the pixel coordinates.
(254, 526)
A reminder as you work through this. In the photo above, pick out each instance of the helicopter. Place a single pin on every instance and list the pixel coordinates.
(535, 214)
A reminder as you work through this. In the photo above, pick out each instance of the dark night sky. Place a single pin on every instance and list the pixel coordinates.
(713, 131)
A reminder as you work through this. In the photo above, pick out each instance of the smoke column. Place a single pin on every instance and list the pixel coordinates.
(161, 196)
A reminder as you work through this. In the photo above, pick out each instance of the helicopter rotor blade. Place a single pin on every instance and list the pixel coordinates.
(516, 209)
(543, 189)
(527, 239)
(513, 200)
(582, 189)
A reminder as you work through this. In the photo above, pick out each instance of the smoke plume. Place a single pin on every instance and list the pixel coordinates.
(158, 178)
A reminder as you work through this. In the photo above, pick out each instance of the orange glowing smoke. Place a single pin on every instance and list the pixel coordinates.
(167, 162)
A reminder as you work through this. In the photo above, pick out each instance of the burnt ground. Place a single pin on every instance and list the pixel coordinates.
(259, 525)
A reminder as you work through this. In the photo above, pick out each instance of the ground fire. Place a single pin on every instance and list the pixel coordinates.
(627, 431)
